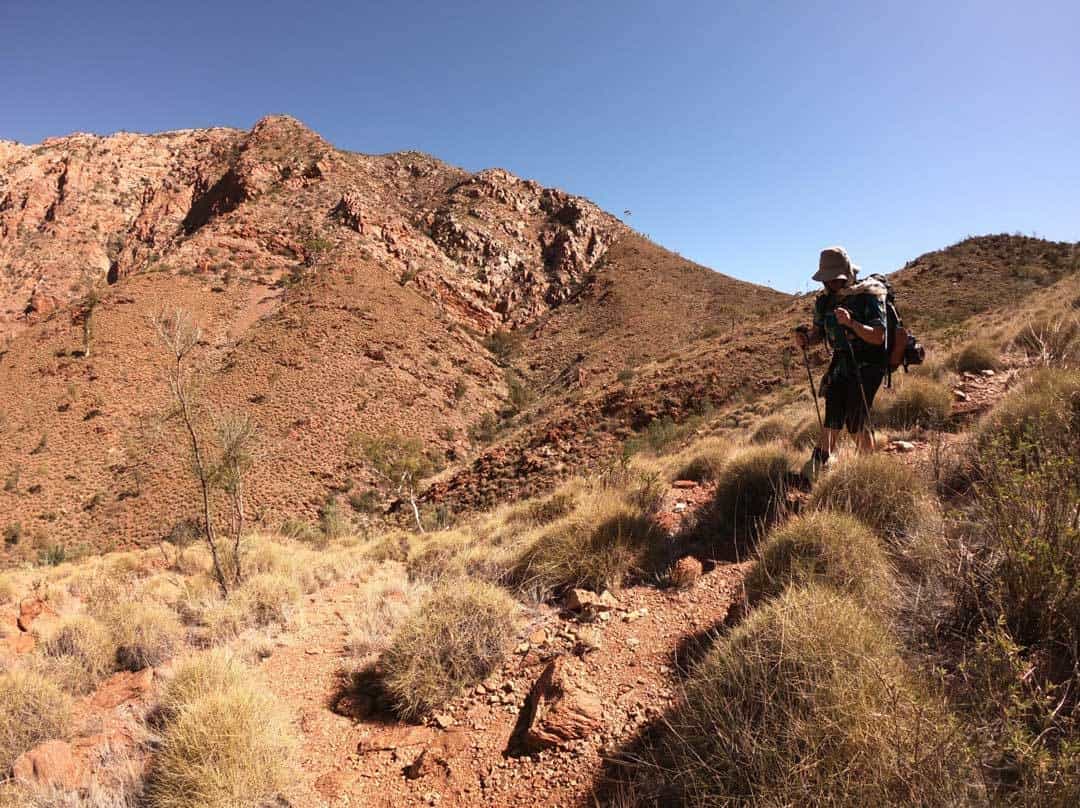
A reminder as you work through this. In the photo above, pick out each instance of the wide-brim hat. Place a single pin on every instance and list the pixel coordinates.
(834, 264)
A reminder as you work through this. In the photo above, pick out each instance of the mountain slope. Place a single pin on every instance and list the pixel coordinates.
(340, 295)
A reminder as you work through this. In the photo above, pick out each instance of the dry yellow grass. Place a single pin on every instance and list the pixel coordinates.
(702, 461)
(456, 638)
(386, 599)
(916, 402)
(885, 494)
(808, 702)
(604, 539)
(222, 749)
(145, 633)
(79, 652)
(32, 710)
(827, 548)
(201, 675)
(749, 497)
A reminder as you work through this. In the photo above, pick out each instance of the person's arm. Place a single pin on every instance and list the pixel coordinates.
(873, 334)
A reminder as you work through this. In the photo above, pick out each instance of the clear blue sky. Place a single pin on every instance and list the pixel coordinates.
(743, 135)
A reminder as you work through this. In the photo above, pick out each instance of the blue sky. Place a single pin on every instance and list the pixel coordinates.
(743, 135)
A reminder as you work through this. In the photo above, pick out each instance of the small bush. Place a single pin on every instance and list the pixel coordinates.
(386, 600)
(882, 492)
(832, 549)
(501, 343)
(1052, 340)
(750, 495)
(773, 428)
(541, 512)
(917, 403)
(806, 433)
(32, 710)
(222, 750)
(706, 460)
(596, 546)
(84, 651)
(268, 597)
(200, 676)
(333, 521)
(302, 530)
(145, 633)
(435, 555)
(977, 355)
(457, 637)
(808, 703)
(1043, 415)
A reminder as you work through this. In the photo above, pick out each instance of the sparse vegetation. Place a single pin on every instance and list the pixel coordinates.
(705, 460)
(457, 636)
(773, 428)
(400, 461)
(501, 343)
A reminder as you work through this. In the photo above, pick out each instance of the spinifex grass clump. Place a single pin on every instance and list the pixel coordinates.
(809, 703)
(773, 428)
(1042, 416)
(750, 495)
(979, 354)
(704, 460)
(32, 710)
(919, 402)
(79, 652)
(827, 548)
(225, 742)
(886, 495)
(456, 638)
(606, 537)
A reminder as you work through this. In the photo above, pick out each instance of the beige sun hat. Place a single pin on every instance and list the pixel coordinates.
(835, 264)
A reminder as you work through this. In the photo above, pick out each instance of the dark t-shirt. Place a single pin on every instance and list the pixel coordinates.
(865, 309)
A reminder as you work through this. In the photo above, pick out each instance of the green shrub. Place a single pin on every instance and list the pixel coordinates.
(32, 710)
(832, 549)
(456, 638)
(882, 492)
(750, 496)
(808, 702)
(980, 354)
(597, 546)
(918, 402)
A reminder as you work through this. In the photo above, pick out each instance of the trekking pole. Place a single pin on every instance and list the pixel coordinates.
(810, 378)
(862, 390)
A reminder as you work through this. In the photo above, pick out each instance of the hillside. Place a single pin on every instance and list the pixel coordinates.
(340, 295)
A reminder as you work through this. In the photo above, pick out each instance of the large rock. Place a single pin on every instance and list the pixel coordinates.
(52, 763)
(558, 709)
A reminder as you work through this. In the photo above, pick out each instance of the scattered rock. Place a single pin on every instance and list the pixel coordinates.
(557, 711)
(903, 446)
(685, 573)
(684, 484)
(122, 687)
(443, 721)
(987, 372)
(960, 395)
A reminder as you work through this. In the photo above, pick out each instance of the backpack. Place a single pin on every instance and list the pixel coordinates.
(901, 346)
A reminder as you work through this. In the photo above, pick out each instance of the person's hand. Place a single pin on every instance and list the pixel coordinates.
(843, 316)
(801, 339)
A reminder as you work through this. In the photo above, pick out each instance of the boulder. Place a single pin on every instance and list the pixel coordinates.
(30, 609)
(558, 710)
(686, 572)
(52, 763)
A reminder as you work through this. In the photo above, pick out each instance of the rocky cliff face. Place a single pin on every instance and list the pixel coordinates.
(493, 248)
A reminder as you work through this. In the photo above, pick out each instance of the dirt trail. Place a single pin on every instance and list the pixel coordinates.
(362, 762)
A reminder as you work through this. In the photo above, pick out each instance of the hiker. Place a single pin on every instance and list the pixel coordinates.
(850, 318)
